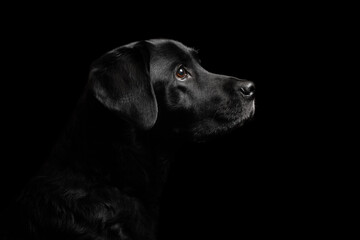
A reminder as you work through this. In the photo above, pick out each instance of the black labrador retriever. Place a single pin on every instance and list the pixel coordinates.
(105, 176)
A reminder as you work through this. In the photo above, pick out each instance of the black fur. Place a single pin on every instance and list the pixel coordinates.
(104, 177)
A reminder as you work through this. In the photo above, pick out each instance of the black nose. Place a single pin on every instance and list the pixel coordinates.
(247, 88)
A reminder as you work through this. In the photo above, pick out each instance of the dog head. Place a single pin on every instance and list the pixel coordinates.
(162, 80)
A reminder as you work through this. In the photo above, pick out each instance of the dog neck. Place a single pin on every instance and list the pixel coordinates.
(108, 149)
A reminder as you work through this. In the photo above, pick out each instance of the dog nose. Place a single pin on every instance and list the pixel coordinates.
(247, 88)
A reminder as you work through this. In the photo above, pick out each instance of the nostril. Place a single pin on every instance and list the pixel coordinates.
(248, 89)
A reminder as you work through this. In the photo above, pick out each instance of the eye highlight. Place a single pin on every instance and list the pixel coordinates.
(181, 73)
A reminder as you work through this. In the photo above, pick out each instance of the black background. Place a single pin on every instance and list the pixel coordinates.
(267, 179)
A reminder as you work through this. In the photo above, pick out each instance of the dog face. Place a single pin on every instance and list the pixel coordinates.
(162, 80)
(199, 102)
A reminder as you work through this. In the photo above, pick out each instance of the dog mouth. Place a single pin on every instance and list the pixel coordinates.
(240, 121)
(224, 121)
(237, 115)
(251, 111)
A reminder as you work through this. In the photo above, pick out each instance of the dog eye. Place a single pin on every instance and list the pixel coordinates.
(181, 73)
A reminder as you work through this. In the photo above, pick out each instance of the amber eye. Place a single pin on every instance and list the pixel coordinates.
(181, 73)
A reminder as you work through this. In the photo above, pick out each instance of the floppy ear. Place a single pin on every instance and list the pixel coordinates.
(120, 80)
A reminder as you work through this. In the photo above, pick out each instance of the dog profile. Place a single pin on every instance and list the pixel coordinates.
(105, 175)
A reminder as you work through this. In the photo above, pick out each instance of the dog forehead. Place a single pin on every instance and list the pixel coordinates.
(170, 50)
(163, 43)
(166, 54)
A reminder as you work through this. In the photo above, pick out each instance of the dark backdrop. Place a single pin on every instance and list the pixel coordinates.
(259, 180)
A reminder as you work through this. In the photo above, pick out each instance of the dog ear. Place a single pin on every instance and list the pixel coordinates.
(120, 80)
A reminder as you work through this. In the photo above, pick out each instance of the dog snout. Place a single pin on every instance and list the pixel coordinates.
(246, 89)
